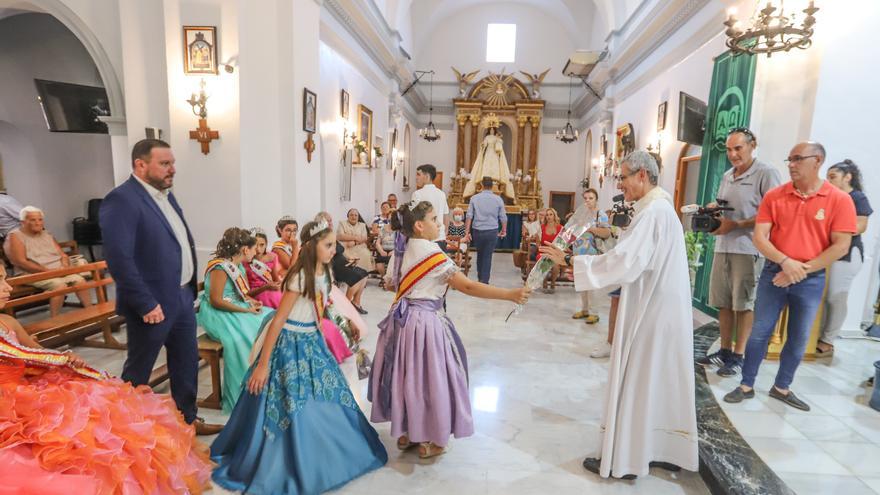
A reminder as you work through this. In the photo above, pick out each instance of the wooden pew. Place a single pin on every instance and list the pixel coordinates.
(71, 327)
(69, 247)
(210, 351)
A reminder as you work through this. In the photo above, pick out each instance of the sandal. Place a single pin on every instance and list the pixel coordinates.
(403, 443)
(580, 315)
(428, 450)
(824, 354)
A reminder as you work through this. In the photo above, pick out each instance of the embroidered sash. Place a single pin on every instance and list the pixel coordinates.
(283, 246)
(239, 280)
(418, 272)
(43, 358)
(262, 270)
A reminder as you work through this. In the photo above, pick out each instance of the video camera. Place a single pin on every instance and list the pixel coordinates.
(621, 213)
(705, 218)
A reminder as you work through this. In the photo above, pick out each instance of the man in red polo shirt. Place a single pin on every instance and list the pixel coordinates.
(802, 227)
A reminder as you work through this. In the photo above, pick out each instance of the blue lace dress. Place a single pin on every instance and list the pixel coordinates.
(304, 433)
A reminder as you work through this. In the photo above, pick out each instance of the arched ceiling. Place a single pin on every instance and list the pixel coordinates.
(573, 15)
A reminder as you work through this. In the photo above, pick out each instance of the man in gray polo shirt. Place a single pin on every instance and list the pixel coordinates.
(737, 264)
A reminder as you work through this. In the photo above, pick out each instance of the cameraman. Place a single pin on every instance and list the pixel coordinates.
(737, 263)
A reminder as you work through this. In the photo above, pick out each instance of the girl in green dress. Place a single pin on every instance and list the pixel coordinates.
(226, 311)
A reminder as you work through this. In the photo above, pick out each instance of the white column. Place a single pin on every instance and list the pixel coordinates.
(119, 148)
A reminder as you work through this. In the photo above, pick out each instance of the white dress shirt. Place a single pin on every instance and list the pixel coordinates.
(177, 225)
(437, 198)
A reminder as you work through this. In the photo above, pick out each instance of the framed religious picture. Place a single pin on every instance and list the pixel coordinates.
(603, 145)
(310, 110)
(626, 142)
(343, 104)
(365, 133)
(661, 116)
(199, 49)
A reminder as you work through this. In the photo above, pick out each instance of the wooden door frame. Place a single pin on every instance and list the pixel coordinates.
(681, 176)
(570, 195)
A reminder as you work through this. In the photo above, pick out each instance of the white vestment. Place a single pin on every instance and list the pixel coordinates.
(491, 162)
(649, 412)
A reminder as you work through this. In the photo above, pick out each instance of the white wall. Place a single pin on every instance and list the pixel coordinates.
(59, 172)
(845, 123)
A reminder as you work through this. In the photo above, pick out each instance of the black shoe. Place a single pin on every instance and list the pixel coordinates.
(789, 399)
(716, 358)
(732, 367)
(592, 464)
(869, 382)
(360, 309)
(738, 395)
(664, 465)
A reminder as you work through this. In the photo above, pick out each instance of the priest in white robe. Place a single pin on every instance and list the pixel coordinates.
(649, 416)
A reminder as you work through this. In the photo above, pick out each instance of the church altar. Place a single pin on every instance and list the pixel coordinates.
(503, 103)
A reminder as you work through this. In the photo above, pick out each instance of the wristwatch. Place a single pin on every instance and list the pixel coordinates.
(568, 260)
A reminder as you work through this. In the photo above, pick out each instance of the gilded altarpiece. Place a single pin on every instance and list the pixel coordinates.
(508, 99)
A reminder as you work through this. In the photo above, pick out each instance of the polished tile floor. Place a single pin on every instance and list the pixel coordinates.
(833, 448)
(536, 396)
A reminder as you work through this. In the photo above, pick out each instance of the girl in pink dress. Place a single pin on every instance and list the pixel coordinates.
(263, 273)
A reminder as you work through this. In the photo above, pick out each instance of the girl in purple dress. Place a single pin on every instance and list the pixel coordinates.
(419, 379)
(263, 273)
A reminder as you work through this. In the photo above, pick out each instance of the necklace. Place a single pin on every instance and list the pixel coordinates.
(808, 192)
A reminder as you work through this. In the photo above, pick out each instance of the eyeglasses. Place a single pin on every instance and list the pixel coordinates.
(620, 177)
(798, 158)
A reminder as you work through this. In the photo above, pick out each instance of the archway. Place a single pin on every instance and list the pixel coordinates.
(64, 14)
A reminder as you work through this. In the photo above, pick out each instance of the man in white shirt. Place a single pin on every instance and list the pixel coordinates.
(9, 213)
(427, 191)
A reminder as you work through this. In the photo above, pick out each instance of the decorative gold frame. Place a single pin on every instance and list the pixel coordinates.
(211, 31)
(365, 132)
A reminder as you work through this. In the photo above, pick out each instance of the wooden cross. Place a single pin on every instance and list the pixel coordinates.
(204, 135)
(309, 145)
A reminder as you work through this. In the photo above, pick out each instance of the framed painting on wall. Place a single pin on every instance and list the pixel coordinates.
(199, 49)
(661, 116)
(365, 132)
(310, 110)
(343, 104)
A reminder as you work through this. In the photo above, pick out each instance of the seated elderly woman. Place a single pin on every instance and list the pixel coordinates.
(384, 246)
(352, 233)
(32, 249)
(345, 269)
(454, 234)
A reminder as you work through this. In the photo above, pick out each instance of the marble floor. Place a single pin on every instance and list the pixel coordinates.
(835, 447)
(536, 396)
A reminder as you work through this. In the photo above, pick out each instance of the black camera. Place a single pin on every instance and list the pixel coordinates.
(621, 213)
(707, 219)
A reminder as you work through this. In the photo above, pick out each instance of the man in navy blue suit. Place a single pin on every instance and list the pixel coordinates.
(151, 256)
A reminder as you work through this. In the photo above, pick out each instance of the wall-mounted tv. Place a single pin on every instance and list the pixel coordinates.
(73, 107)
(691, 119)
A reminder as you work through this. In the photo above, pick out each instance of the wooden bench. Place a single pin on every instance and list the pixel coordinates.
(210, 351)
(69, 247)
(71, 327)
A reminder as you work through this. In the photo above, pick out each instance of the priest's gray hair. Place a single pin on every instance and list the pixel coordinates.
(642, 160)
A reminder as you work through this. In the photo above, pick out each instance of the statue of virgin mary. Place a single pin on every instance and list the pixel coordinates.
(491, 162)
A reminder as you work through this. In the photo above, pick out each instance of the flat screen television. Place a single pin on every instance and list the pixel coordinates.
(691, 119)
(73, 107)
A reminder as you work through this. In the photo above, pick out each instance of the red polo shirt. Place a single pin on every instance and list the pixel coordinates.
(801, 227)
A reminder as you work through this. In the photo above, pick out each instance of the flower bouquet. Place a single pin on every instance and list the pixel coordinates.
(579, 223)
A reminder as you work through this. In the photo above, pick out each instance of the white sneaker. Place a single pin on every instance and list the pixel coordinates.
(602, 350)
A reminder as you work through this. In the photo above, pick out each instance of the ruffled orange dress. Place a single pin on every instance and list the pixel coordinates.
(62, 432)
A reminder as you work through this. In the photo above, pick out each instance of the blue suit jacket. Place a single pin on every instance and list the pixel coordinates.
(142, 252)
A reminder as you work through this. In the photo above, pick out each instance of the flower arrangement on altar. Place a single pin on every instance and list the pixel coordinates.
(360, 145)
(378, 151)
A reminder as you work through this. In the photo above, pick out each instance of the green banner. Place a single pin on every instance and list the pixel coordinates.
(730, 105)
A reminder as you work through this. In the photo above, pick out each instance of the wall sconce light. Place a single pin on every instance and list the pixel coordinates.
(655, 146)
(595, 164)
(200, 101)
(203, 134)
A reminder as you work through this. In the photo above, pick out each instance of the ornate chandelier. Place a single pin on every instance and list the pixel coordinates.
(568, 134)
(430, 133)
(771, 31)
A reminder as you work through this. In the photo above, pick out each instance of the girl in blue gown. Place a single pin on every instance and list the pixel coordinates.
(297, 428)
